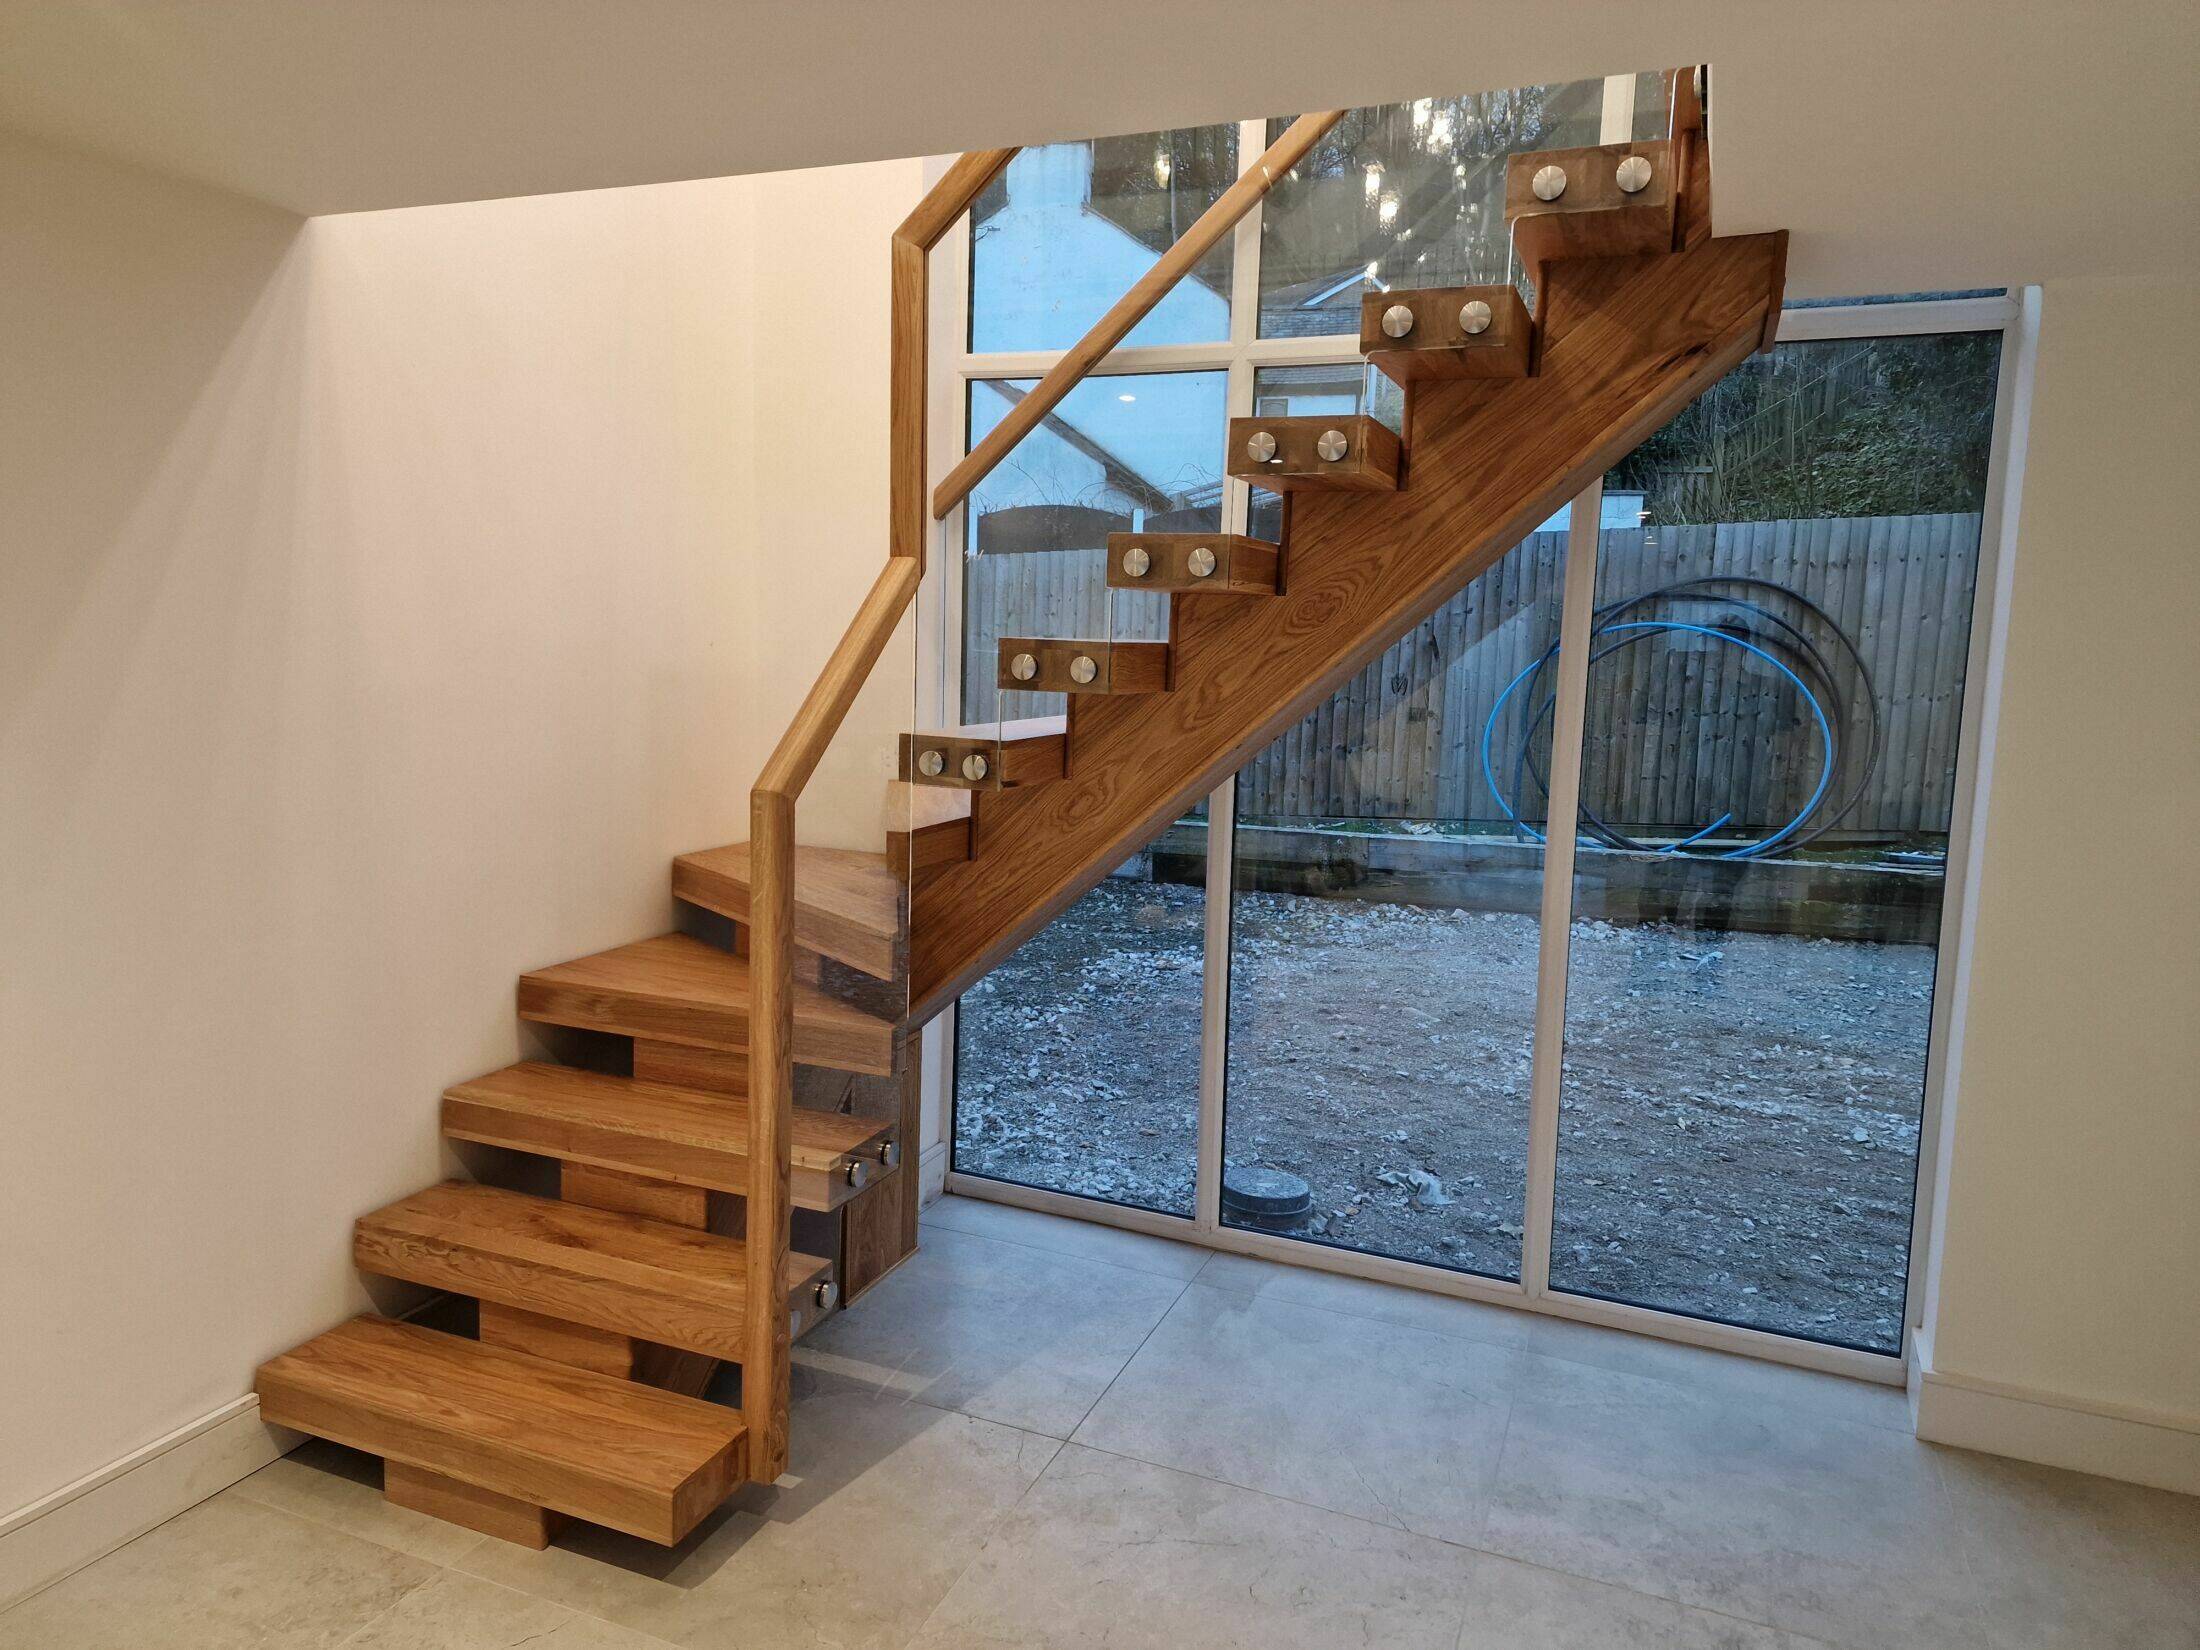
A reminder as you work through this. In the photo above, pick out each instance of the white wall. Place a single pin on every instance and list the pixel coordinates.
(2068, 1242)
(383, 602)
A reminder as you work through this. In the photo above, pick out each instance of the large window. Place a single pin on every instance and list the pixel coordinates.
(1339, 1012)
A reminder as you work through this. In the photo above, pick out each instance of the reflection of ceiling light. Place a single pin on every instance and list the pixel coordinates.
(1126, 398)
(1374, 178)
(1162, 167)
(1439, 132)
(1388, 209)
(1421, 108)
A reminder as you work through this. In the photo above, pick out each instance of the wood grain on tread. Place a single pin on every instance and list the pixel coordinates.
(613, 1452)
(1627, 343)
(1594, 218)
(1437, 345)
(848, 905)
(1242, 566)
(1117, 667)
(680, 990)
(672, 1134)
(1369, 463)
(1032, 751)
(621, 1272)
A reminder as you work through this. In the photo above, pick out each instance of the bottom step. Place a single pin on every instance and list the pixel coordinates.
(613, 1452)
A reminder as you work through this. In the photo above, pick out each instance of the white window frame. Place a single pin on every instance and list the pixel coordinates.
(1241, 356)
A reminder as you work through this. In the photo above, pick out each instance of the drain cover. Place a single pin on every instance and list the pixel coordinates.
(1269, 1196)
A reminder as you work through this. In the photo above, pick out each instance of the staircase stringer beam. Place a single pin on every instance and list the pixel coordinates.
(1626, 344)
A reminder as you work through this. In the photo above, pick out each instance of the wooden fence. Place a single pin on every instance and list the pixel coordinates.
(1679, 730)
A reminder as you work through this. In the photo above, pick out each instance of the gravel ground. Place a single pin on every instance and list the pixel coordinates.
(1738, 1137)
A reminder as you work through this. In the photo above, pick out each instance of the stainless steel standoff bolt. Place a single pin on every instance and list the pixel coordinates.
(1633, 175)
(889, 1153)
(1474, 316)
(1083, 668)
(1332, 445)
(858, 1174)
(932, 764)
(1023, 667)
(826, 1294)
(1200, 562)
(1136, 561)
(975, 767)
(1261, 447)
(1548, 183)
(1397, 321)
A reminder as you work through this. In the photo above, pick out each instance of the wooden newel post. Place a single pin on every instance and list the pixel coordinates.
(765, 1371)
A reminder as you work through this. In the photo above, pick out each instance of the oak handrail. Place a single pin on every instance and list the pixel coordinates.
(1149, 289)
(765, 1368)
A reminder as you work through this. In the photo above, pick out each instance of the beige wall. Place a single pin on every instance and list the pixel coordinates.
(2069, 1214)
(383, 601)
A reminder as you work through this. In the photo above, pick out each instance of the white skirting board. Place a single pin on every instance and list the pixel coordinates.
(59, 1534)
(932, 1173)
(2057, 1431)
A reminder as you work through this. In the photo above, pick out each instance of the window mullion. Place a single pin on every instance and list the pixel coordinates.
(1555, 924)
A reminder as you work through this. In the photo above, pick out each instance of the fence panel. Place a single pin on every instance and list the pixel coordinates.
(1678, 730)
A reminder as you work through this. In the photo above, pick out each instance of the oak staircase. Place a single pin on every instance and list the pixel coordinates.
(684, 1167)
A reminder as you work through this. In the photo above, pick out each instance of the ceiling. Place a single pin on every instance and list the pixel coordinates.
(1929, 144)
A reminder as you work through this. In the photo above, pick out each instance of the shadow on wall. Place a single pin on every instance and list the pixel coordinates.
(149, 402)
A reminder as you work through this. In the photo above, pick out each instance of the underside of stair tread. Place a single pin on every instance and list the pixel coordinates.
(848, 905)
(614, 1452)
(677, 989)
(687, 1136)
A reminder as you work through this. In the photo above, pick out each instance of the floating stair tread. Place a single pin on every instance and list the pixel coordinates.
(674, 1284)
(614, 1452)
(686, 1136)
(677, 989)
(848, 905)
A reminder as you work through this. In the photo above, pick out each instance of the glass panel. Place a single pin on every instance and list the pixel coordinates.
(1383, 943)
(1768, 774)
(1069, 228)
(1077, 1060)
(1294, 392)
(1406, 195)
(1121, 454)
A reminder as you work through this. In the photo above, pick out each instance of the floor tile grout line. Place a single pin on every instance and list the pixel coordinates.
(1066, 1254)
(435, 1570)
(319, 1522)
(1101, 1397)
(1255, 1293)
(985, 1541)
(554, 1603)
(1804, 1639)
(1533, 1319)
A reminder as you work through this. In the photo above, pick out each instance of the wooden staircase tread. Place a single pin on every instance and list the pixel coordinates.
(679, 1286)
(613, 1452)
(603, 1243)
(675, 1117)
(678, 989)
(849, 905)
(687, 1137)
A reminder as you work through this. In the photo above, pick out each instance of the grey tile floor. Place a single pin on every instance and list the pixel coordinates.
(1040, 1434)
